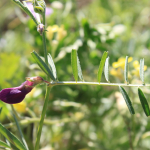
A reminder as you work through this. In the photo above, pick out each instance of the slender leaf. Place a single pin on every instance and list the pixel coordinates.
(52, 65)
(106, 71)
(74, 64)
(1, 109)
(79, 69)
(21, 134)
(142, 70)
(101, 66)
(3, 144)
(127, 100)
(12, 138)
(126, 70)
(43, 65)
(144, 102)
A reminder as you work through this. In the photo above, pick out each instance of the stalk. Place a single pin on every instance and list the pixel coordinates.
(47, 92)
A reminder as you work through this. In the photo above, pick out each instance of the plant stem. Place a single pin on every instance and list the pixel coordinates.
(42, 118)
(28, 121)
(95, 83)
(47, 91)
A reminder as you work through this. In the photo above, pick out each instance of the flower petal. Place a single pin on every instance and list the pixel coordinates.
(12, 96)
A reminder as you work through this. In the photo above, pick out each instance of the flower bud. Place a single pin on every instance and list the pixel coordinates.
(39, 6)
(40, 28)
(35, 80)
(17, 94)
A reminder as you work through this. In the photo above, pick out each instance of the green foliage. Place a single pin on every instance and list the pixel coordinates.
(101, 66)
(12, 138)
(4, 144)
(142, 70)
(126, 70)
(144, 102)
(43, 66)
(106, 71)
(74, 64)
(82, 115)
(127, 100)
(79, 69)
(52, 66)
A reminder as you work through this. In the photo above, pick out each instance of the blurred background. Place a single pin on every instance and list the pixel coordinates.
(79, 117)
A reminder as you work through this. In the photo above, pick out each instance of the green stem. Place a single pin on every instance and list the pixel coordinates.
(28, 121)
(42, 118)
(47, 91)
(95, 83)
(25, 8)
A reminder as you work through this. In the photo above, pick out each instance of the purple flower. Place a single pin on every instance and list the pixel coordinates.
(47, 13)
(17, 94)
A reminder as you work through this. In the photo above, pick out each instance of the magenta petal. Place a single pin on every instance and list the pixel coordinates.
(12, 96)
(17, 94)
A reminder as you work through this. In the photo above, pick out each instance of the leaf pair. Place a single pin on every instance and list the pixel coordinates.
(142, 98)
(49, 70)
(141, 71)
(76, 66)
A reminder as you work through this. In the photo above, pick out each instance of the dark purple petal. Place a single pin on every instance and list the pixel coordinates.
(16, 94)
(12, 96)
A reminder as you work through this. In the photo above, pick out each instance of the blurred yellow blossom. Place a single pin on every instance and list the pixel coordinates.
(20, 107)
(136, 66)
(121, 62)
(61, 32)
(118, 67)
(116, 72)
(78, 115)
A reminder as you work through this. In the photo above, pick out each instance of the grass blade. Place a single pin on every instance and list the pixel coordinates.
(142, 70)
(126, 70)
(1, 109)
(144, 102)
(79, 69)
(106, 71)
(101, 66)
(52, 65)
(127, 100)
(19, 129)
(43, 65)
(3, 144)
(74, 64)
(12, 138)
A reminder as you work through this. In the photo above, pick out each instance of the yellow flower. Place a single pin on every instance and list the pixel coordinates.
(20, 107)
(116, 72)
(61, 33)
(78, 115)
(49, 33)
(121, 62)
(136, 66)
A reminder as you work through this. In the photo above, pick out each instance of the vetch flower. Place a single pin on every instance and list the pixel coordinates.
(17, 94)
